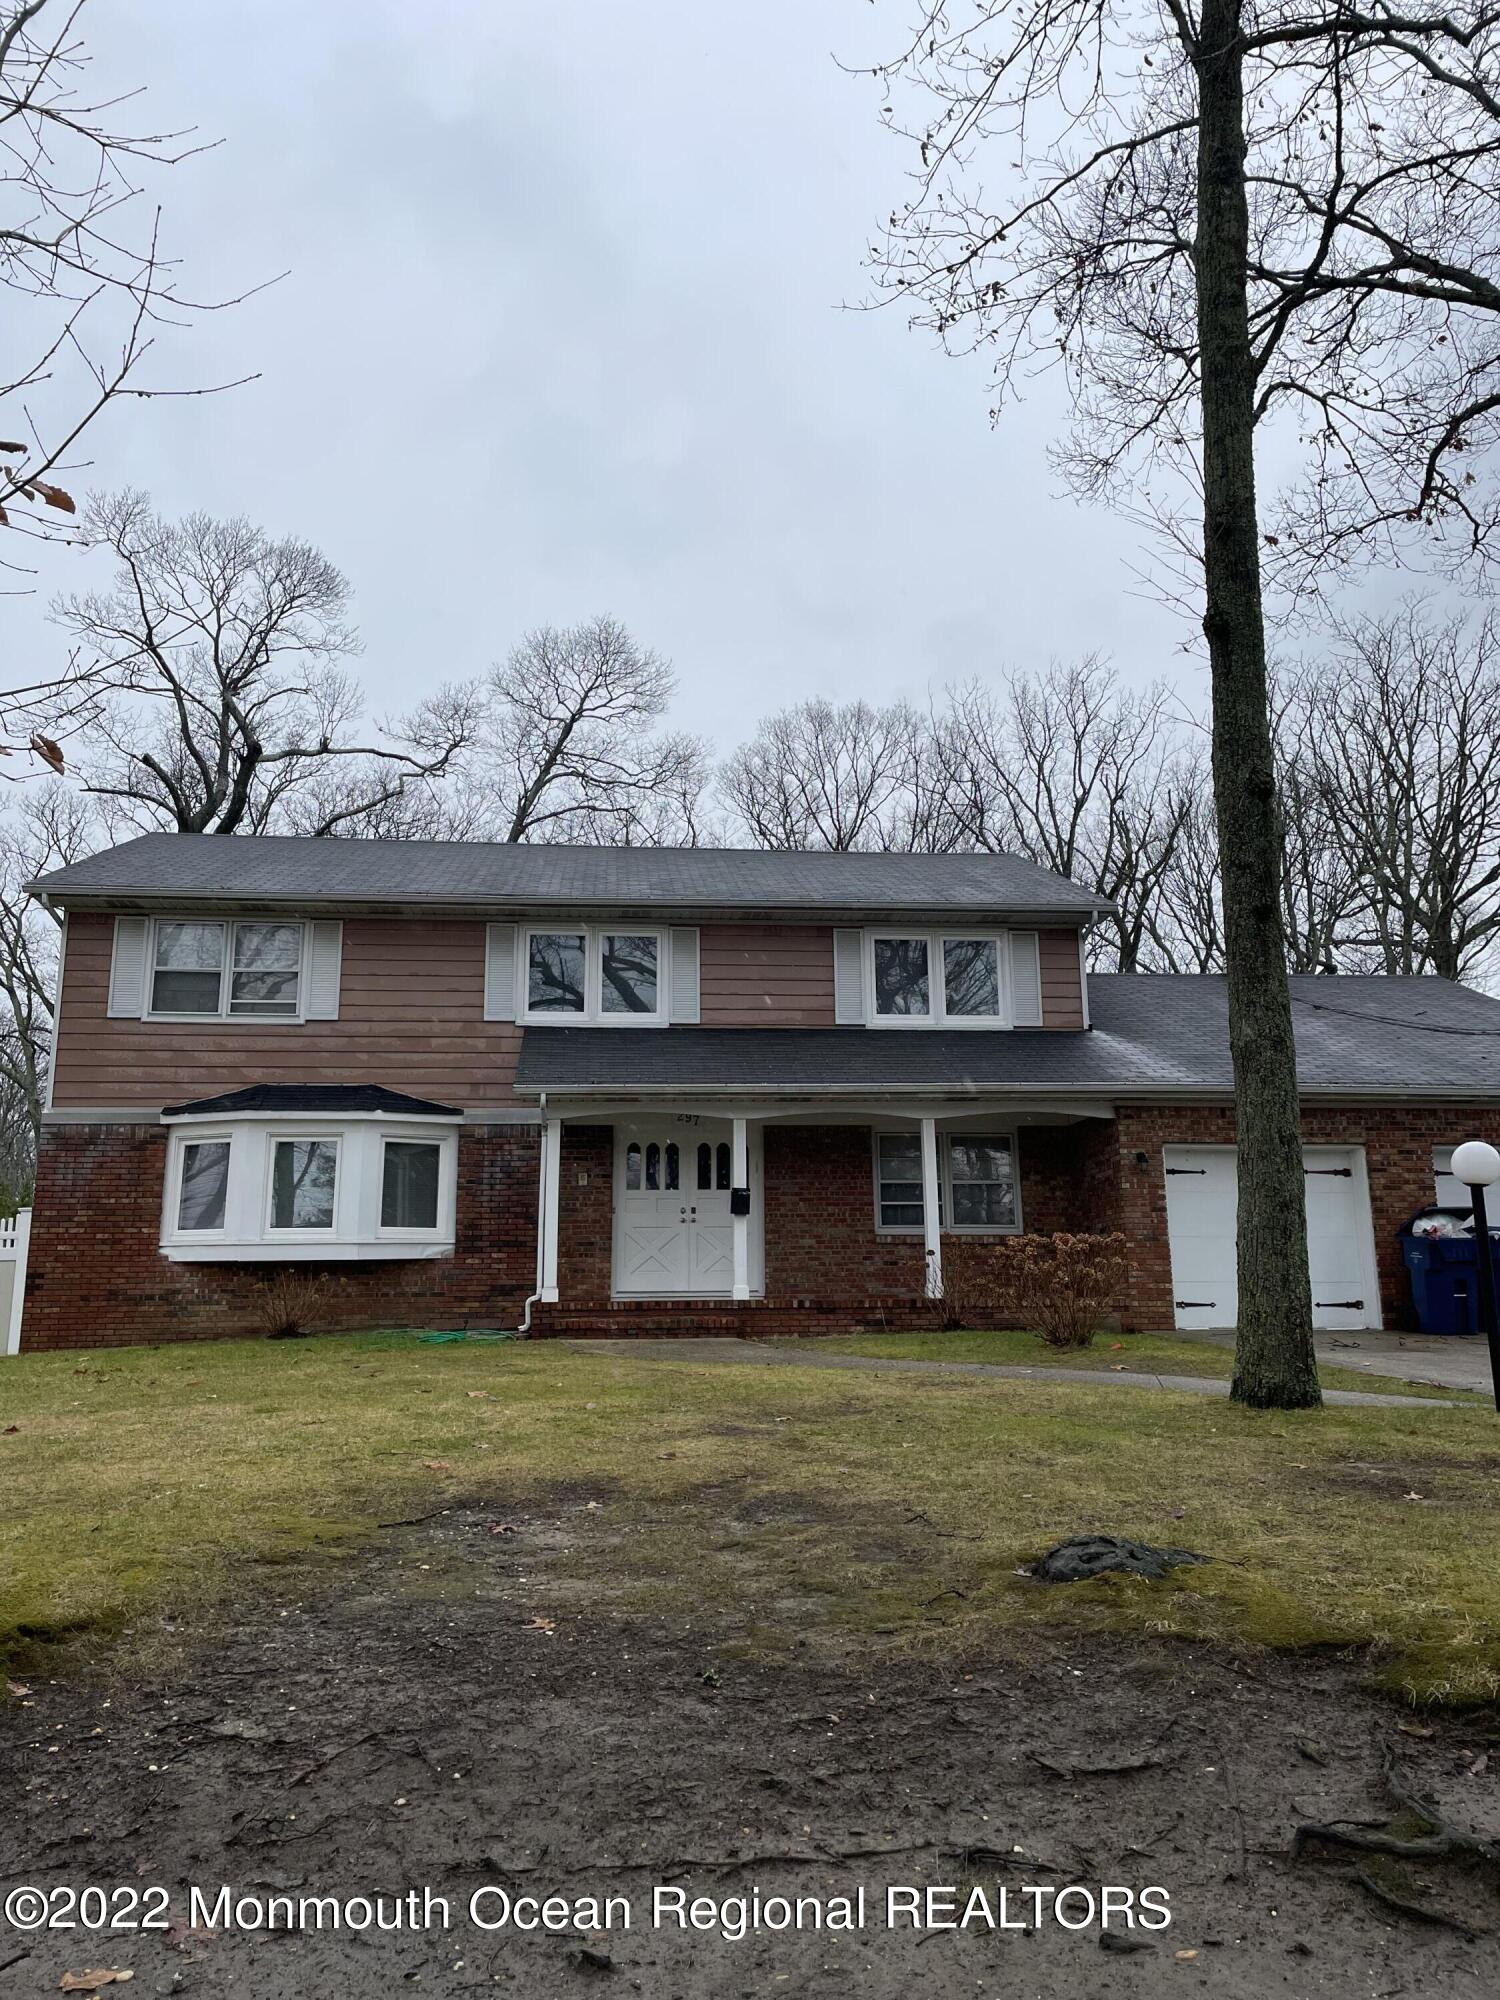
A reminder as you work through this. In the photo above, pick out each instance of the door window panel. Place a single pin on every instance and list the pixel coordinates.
(721, 1165)
(705, 1166)
(205, 1185)
(902, 984)
(632, 1168)
(303, 1176)
(556, 969)
(628, 968)
(653, 1166)
(672, 1166)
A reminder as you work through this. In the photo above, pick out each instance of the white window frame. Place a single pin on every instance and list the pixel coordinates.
(937, 1015)
(593, 1015)
(303, 1135)
(357, 1233)
(442, 1231)
(996, 1130)
(229, 925)
(209, 1136)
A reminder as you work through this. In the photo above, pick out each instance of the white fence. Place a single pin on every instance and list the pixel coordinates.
(15, 1234)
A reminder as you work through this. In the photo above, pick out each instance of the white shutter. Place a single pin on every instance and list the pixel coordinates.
(849, 977)
(499, 972)
(127, 967)
(325, 964)
(684, 976)
(1025, 980)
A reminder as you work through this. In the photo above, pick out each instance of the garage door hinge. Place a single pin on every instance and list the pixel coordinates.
(1335, 1173)
(1187, 1170)
(1190, 1305)
(1341, 1305)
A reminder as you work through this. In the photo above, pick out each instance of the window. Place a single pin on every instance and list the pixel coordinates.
(898, 1171)
(409, 1178)
(261, 1188)
(303, 1176)
(204, 1185)
(982, 1178)
(628, 972)
(610, 978)
(556, 964)
(977, 1182)
(937, 979)
(227, 968)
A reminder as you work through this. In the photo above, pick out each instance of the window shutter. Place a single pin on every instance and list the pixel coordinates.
(325, 964)
(127, 967)
(499, 972)
(849, 977)
(684, 988)
(1025, 980)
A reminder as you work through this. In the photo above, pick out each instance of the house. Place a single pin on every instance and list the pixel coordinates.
(690, 1089)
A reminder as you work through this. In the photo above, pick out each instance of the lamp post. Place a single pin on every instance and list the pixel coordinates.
(1478, 1167)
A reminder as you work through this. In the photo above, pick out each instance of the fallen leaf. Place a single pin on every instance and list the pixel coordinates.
(1415, 1729)
(437, 1465)
(17, 1688)
(91, 1980)
(539, 1624)
(502, 1527)
(477, 1395)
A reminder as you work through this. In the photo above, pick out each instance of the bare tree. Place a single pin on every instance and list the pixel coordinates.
(84, 278)
(839, 776)
(209, 693)
(572, 749)
(1081, 775)
(1220, 216)
(1404, 754)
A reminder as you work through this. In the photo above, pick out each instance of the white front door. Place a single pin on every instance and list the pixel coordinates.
(674, 1234)
(1202, 1200)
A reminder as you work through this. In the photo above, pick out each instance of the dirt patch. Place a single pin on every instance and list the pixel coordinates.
(472, 1704)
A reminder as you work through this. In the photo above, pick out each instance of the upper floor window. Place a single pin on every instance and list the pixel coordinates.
(613, 977)
(937, 979)
(221, 968)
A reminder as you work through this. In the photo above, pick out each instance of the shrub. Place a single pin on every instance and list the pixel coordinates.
(1065, 1286)
(289, 1303)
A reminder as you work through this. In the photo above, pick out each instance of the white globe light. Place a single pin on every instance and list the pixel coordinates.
(1476, 1164)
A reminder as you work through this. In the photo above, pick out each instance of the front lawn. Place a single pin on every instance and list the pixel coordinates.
(148, 1490)
(1150, 1353)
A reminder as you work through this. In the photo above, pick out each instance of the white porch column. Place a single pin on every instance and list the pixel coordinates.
(739, 1177)
(551, 1205)
(931, 1226)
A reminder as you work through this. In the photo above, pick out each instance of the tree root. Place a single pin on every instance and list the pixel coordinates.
(1443, 1841)
(1421, 1911)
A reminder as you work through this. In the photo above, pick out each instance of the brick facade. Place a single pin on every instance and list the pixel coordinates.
(96, 1276)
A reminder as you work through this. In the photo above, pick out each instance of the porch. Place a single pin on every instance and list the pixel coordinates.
(783, 1218)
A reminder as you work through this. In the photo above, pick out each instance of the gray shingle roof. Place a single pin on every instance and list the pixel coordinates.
(183, 868)
(1152, 1035)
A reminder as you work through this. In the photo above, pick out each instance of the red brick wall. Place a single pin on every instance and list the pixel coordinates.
(96, 1277)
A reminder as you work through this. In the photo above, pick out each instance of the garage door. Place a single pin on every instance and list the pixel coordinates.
(1201, 1200)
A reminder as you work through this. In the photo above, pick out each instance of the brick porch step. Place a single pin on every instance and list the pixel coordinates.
(751, 1319)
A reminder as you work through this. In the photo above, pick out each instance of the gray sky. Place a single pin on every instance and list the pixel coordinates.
(561, 334)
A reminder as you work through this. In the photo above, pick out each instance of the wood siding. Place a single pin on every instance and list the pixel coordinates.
(1062, 979)
(766, 976)
(411, 1017)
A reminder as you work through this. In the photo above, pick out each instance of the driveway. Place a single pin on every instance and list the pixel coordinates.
(1457, 1363)
(761, 1354)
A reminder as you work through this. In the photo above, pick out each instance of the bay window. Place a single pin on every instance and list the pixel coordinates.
(933, 979)
(611, 978)
(978, 1187)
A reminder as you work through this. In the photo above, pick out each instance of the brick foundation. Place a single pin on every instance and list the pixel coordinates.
(96, 1277)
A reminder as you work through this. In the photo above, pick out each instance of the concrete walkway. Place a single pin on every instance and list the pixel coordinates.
(1458, 1363)
(760, 1354)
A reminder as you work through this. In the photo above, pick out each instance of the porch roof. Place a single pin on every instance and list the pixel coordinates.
(1153, 1034)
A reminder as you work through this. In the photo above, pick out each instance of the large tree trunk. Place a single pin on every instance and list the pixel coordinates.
(1274, 1365)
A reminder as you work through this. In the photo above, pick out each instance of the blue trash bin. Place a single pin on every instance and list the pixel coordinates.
(1444, 1272)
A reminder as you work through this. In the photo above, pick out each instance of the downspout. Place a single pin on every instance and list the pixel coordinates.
(523, 1331)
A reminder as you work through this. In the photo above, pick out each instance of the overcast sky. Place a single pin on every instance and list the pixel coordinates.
(562, 333)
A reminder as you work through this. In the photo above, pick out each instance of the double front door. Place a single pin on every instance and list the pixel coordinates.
(674, 1235)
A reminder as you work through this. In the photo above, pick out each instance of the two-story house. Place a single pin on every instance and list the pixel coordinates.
(616, 1089)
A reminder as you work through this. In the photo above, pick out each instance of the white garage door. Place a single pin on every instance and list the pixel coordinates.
(1201, 1200)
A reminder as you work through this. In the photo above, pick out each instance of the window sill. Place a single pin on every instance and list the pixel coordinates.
(386, 1250)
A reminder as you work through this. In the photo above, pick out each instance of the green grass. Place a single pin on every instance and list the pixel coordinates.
(781, 1506)
(1154, 1353)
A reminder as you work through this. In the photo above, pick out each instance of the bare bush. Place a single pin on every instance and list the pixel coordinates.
(291, 1303)
(1064, 1285)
